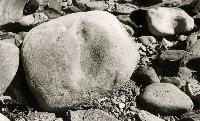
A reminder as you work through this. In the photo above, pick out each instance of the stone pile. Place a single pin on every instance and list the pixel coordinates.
(96, 60)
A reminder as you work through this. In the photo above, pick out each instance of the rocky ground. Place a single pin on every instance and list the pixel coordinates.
(100, 60)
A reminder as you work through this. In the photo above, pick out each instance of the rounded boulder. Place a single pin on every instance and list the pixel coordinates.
(165, 98)
(78, 58)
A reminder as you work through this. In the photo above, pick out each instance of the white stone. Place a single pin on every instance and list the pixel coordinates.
(168, 21)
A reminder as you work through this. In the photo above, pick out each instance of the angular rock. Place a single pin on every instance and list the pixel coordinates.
(9, 62)
(91, 115)
(168, 21)
(11, 10)
(165, 98)
(147, 75)
(80, 57)
(146, 116)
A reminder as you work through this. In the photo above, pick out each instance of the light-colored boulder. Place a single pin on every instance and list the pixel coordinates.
(9, 62)
(77, 58)
(165, 98)
(168, 21)
(3, 118)
(11, 10)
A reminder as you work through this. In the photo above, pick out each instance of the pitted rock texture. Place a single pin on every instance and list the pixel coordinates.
(77, 58)
(168, 21)
(165, 98)
(9, 62)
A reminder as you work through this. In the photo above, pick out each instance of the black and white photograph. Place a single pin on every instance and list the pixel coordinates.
(99, 60)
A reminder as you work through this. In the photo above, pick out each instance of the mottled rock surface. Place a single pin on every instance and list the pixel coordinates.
(146, 116)
(72, 60)
(91, 115)
(11, 10)
(165, 98)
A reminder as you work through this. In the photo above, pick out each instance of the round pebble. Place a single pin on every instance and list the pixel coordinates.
(165, 98)
(121, 105)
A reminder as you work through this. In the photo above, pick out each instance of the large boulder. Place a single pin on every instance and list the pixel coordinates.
(77, 58)
(11, 10)
(168, 21)
(9, 62)
(165, 98)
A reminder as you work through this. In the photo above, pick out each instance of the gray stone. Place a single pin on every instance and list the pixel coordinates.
(9, 62)
(168, 21)
(147, 75)
(11, 10)
(173, 80)
(91, 115)
(146, 116)
(165, 98)
(75, 59)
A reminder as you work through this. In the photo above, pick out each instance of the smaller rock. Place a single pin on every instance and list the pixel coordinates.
(165, 98)
(33, 19)
(184, 73)
(146, 116)
(55, 4)
(147, 40)
(173, 80)
(91, 115)
(122, 105)
(40, 116)
(191, 40)
(9, 62)
(129, 29)
(123, 98)
(147, 75)
(182, 38)
(33, 5)
(191, 116)
(168, 21)
(69, 2)
(192, 89)
(3, 118)
(126, 20)
(172, 55)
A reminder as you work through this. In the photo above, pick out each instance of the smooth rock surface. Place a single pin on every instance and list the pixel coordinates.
(168, 21)
(91, 115)
(147, 75)
(3, 118)
(173, 80)
(11, 10)
(76, 59)
(9, 62)
(165, 98)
